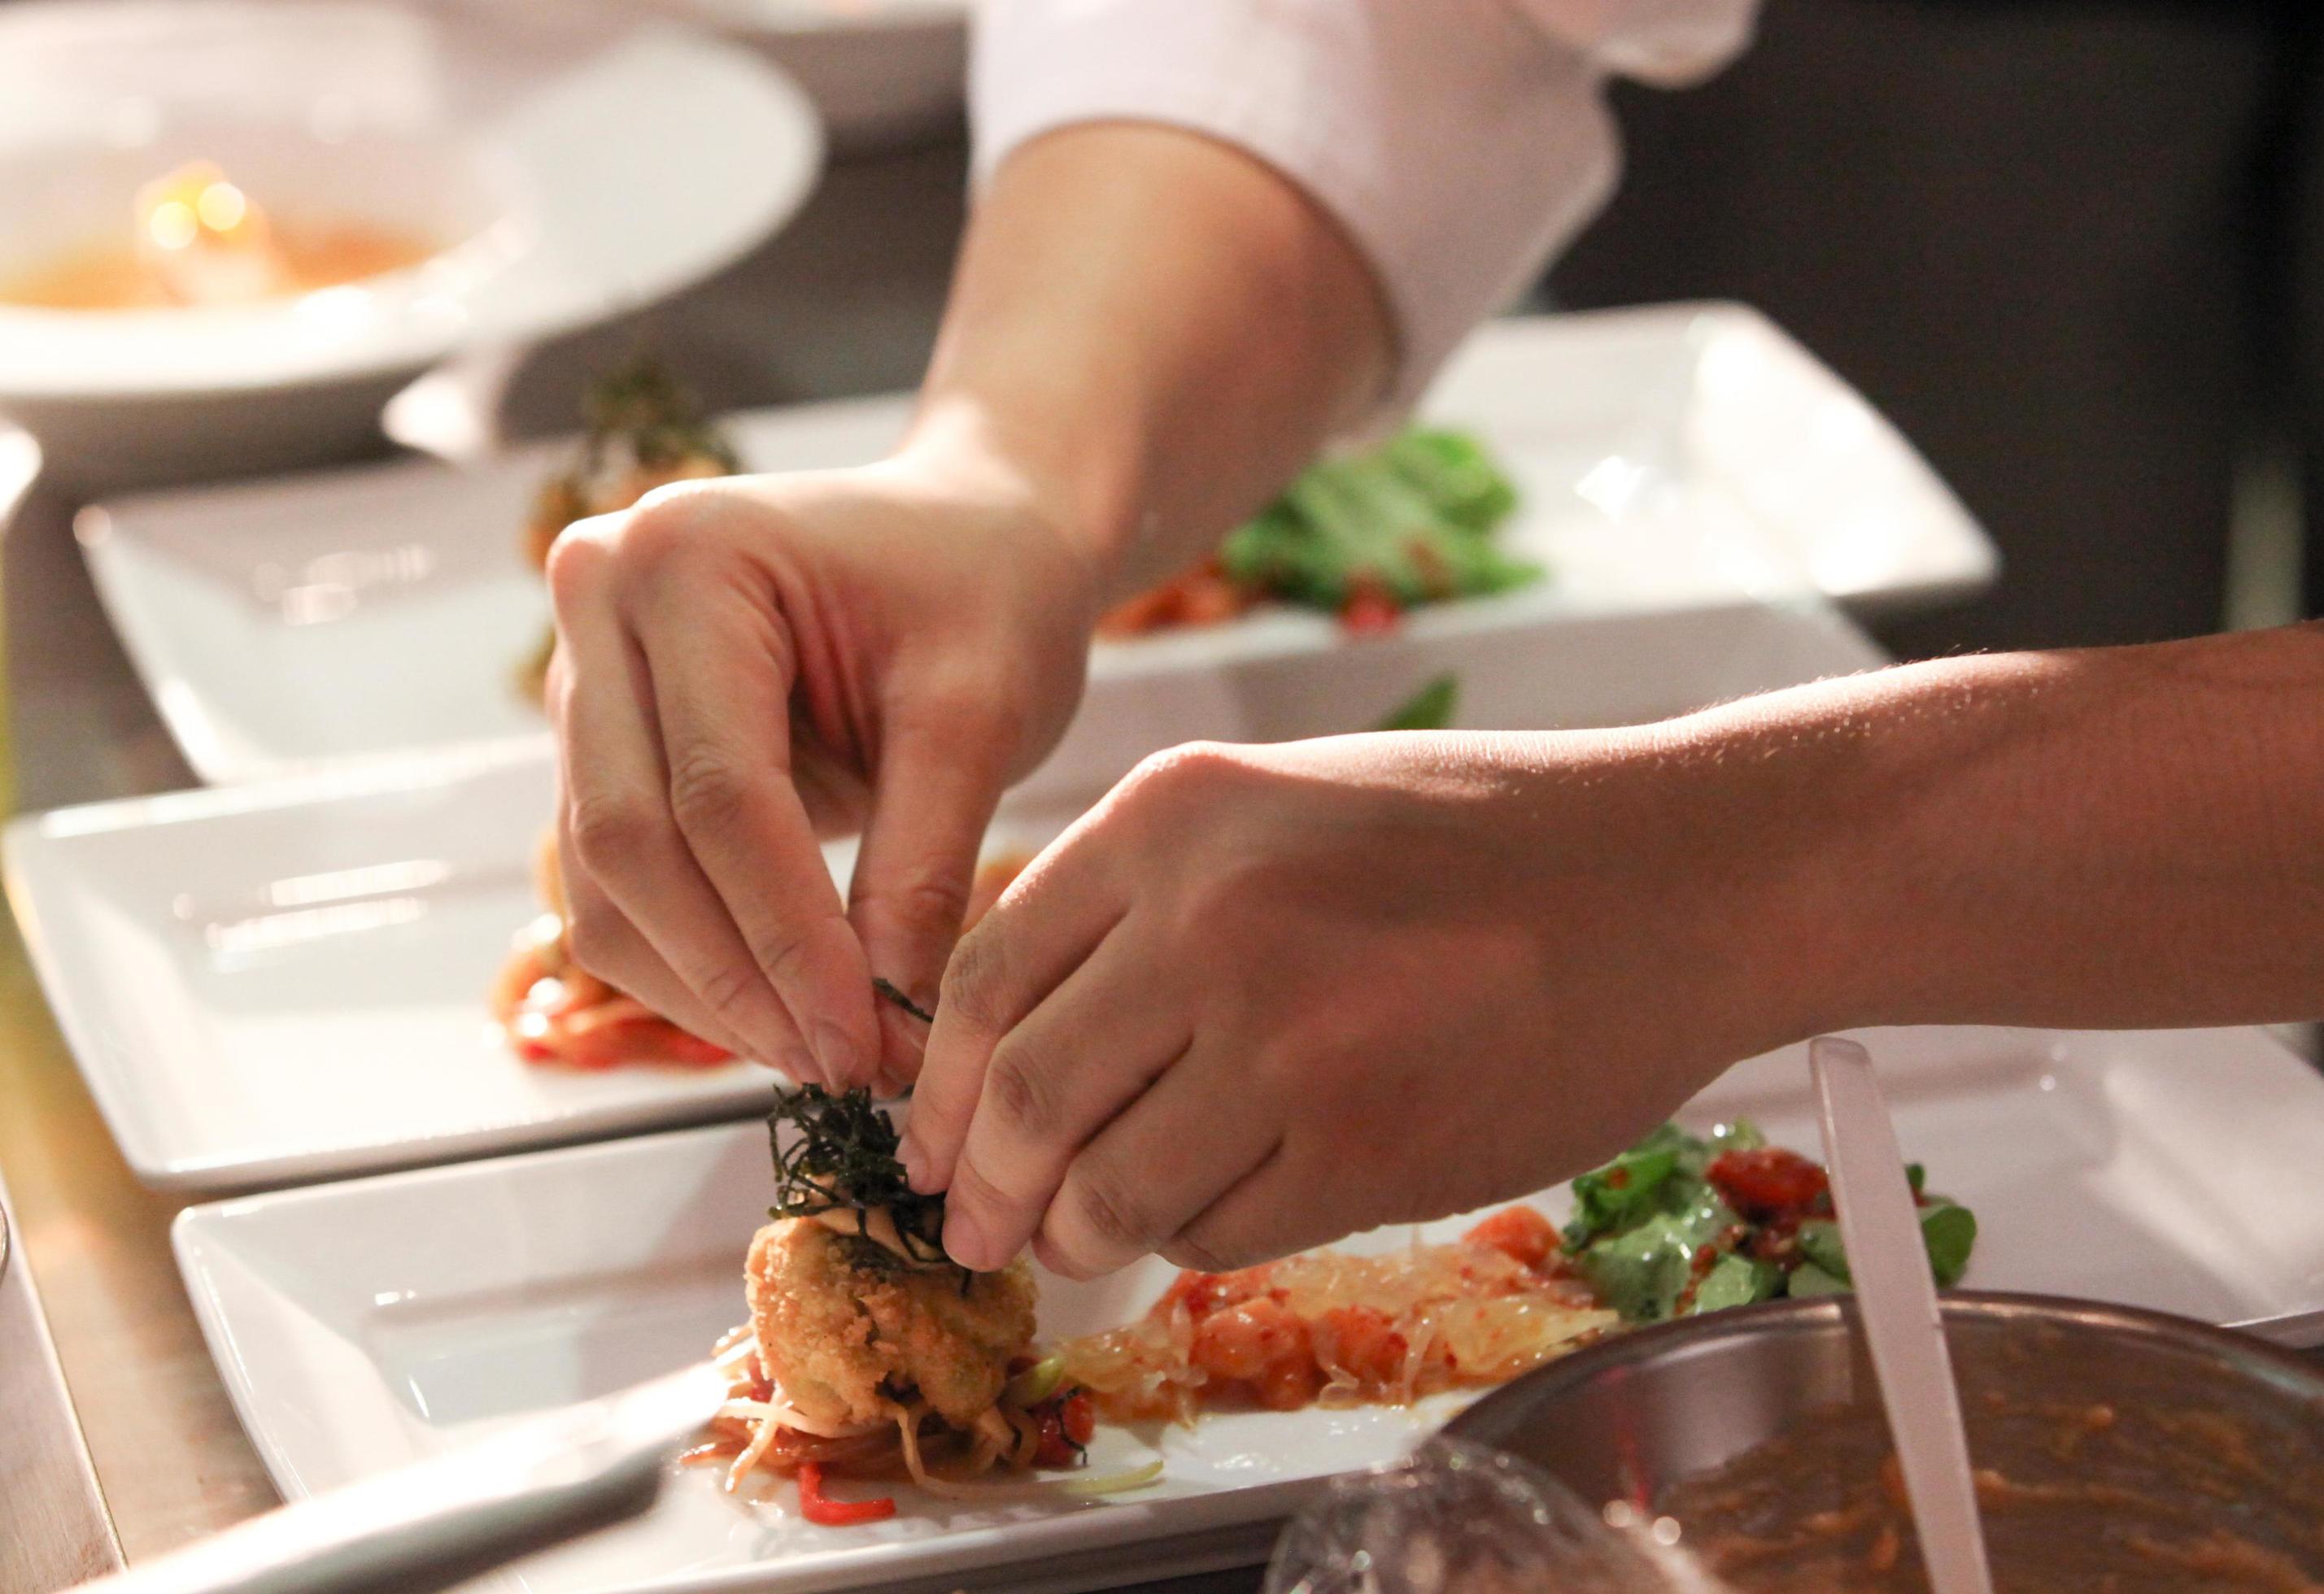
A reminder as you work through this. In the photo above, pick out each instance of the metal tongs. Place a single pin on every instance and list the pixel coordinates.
(441, 1522)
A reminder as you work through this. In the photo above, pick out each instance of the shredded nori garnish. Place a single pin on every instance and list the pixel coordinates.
(890, 992)
(843, 1155)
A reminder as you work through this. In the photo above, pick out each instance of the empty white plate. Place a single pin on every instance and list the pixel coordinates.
(1669, 459)
(287, 980)
(363, 1324)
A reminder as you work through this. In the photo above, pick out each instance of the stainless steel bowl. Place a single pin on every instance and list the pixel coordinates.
(1628, 1418)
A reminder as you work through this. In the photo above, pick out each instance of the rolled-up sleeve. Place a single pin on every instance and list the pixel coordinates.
(1460, 143)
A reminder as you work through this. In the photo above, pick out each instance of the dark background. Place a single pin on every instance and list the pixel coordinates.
(2075, 251)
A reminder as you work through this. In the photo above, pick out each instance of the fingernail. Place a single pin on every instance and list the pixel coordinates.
(799, 1063)
(834, 1048)
(965, 1239)
(915, 1161)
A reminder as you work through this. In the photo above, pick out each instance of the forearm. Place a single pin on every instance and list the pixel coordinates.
(1150, 332)
(2116, 838)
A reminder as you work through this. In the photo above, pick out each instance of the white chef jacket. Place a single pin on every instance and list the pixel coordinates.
(1459, 142)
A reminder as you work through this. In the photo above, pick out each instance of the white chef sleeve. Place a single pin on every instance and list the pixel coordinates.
(1459, 142)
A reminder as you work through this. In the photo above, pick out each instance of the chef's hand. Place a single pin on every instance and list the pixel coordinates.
(1148, 333)
(1263, 997)
(747, 663)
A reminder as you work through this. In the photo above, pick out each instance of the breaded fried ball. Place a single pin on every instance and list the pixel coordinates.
(842, 1326)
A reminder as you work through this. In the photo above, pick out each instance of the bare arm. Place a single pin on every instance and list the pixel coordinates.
(2113, 838)
(1155, 331)
(1429, 972)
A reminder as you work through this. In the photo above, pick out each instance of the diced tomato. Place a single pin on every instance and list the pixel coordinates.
(1290, 1385)
(1370, 609)
(1079, 1416)
(1364, 1341)
(1520, 1232)
(1053, 1449)
(1768, 1182)
(826, 1512)
(646, 1040)
(1065, 1423)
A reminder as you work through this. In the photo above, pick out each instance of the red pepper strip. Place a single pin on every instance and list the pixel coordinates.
(826, 1512)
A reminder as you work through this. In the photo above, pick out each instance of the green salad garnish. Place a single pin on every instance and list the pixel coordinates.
(1681, 1224)
(1404, 524)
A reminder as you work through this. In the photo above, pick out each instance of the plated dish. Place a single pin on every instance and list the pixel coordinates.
(869, 1351)
(1668, 464)
(353, 1333)
(191, 284)
(203, 949)
(1365, 534)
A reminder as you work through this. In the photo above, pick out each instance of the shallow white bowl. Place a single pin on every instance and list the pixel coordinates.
(882, 72)
(569, 176)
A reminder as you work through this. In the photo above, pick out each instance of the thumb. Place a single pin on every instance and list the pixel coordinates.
(935, 792)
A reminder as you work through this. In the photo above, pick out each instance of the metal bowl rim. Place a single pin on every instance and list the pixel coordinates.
(1686, 1337)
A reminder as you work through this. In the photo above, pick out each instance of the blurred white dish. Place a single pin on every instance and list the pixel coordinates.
(1669, 459)
(565, 180)
(882, 72)
(361, 1325)
(288, 979)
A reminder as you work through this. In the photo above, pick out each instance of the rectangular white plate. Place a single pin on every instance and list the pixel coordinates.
(365, 1324)
(1668, 458)
(286, 979)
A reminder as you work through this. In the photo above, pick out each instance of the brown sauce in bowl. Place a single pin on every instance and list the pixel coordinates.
(2164, 1491)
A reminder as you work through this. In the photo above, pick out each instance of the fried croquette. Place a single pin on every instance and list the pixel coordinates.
(848, 1329)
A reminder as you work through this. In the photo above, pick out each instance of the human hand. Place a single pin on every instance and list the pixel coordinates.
(1263, 997)
(749, 663)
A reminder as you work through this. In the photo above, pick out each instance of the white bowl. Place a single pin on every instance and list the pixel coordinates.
(564, 179)
(882, 72)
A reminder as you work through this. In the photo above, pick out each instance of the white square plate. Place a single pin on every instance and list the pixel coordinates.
(287, 980)
(365, 1324)
(1668, 458)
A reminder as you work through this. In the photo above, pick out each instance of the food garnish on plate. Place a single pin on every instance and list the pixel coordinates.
(644, 430)
(870, 1353)
(556, 1013)
(1325, 1327)
(1365, 534)
(1681, 1224)
(1675, 1226)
